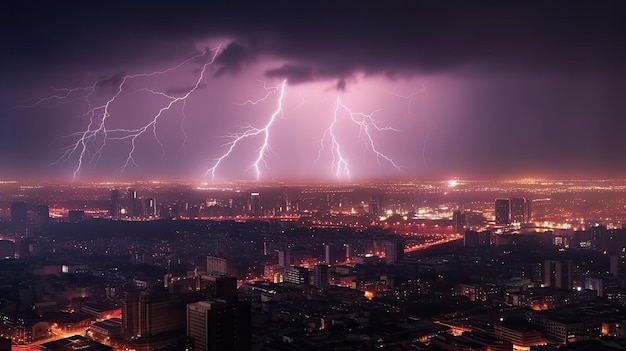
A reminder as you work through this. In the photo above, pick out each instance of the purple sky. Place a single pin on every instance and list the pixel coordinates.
(498, 89)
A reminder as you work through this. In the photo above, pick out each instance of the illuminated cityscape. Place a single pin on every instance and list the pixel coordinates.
(97, 259)
(313, 176)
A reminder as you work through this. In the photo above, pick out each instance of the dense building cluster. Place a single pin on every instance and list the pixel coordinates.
(309, 268)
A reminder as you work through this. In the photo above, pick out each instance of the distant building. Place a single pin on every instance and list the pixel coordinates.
(149, 207)
(74, 343)
(131, 203)
(502, 211)
(285, 258)
(19, 213)
(458, 221)
(519, 210)
(218, 265)
(558, 274)
(255, 204)
(320, 276)
(376, 205)
(215, 325)
(114, 204)
(473, 238)
(394, 251)
(146, 314)
(42, 216)
(296, 275)
(329, 254)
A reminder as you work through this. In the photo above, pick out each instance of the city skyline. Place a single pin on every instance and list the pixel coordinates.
(311, 92)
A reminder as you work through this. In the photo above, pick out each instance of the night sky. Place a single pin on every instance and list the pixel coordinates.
(468, 89)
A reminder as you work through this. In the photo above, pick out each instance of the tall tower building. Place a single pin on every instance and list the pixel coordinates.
(296, 275)
(255, 204)
(458, 221)
(394, 251)
(320, 276)
(131, 203)
(519, 210)
(329, 254)
(558, 274)
(215, 325)
(42, 216)
(114, 204)
(502, 211)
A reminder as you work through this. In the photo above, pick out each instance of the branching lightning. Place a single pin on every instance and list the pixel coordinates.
(251, 132)
(366, 124)
(411, 96)
(90, 143)
(87, 146)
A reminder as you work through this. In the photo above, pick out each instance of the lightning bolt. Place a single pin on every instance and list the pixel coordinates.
(251, 132)
(411, 96)
(366, 125)
(90, 143)
(425, 143)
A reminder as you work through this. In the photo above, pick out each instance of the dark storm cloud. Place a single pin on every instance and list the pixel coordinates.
(337, 38)
(293, 73)
(234, 58)
(545, 76)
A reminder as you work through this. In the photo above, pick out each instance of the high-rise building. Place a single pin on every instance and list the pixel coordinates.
(131, 203)
(19, 214)
(599, 234)
(458, 221)
(394, 251)
(377, 205)
(42, 216)
(146, 314)
(617, 265)
(149, 207)
(519, 210)
(473, 238)
(296, 275)
(503, 212)
(558, 274)
(255, 204)
(226, 289)
(215, 325)
(320, 276)
(114, 204)
(218, 265)
(348, 251)
(285, 258)
(329, 254)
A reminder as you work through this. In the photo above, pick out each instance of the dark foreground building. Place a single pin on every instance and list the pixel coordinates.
(74, 343)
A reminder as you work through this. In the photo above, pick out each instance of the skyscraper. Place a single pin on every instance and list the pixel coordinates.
(519, 210)
(131, 203)
(558, 274)
(458, 221)
(210, 324)
(42, 216)
(114, 204)
(394, 251)
(320, 276)
(215, 325)
(503, 212)
(255, 204)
